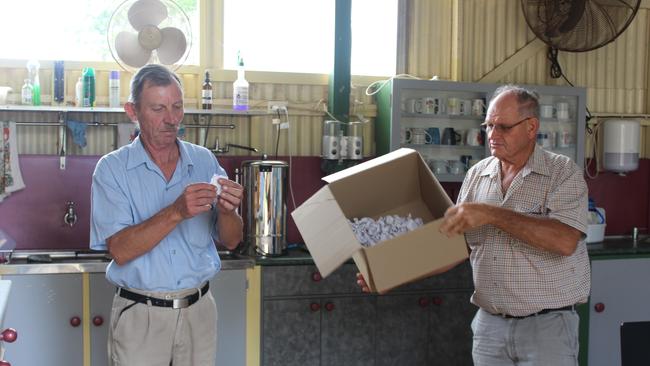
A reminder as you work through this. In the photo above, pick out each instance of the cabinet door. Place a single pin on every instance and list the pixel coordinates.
(402, 330)
(450, 333)
(291, 332)
(40, 308)
(348, 331)
(101, 302)
(307, 280)
(620, 285)
(229, 291)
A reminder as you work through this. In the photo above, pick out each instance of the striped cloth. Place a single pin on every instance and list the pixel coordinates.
(510, 276)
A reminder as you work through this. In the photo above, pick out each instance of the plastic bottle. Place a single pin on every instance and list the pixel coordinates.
(240, 88)
(88, 95)
(32, 67)
(114, 89)
(78, 92)
(206, 93)
(26, 94)
(58, 83)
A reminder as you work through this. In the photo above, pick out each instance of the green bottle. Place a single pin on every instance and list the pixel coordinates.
(88, 94)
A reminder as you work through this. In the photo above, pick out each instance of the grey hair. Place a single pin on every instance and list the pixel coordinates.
(528, 100)
(157, 75)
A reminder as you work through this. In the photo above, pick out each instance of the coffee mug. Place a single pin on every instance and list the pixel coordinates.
(546, 111)
(450, 137)
(564, 138)
(562, 115)
(465, 108)
(467, 161)
(438, 166)
(434, 132)
(474, 137)
(478, 107)
(432, 105)
(419, 136)
(453, 106)
(543, 139)
(455, 167)
(414, 105)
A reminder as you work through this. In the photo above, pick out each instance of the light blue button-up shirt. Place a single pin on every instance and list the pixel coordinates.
(129, 188)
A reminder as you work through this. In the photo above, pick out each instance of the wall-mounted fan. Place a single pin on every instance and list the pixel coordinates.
(149, 31)
(579, 25)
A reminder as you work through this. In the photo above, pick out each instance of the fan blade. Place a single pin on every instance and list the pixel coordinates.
(129, 50)
(173, 45)
(147, 12)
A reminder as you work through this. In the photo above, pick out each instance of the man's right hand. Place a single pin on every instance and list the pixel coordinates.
(362, 283)
(197, 198)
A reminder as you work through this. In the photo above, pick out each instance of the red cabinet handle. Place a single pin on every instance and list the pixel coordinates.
(329, 306)
(316, 277)
(314, 306)
(98, 320)
(4, 363)
(423, 302)
(9, 335)
(75, 321)
(599, 307)
(437, 300)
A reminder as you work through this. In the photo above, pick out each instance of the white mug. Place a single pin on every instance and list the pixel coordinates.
(546, 111)
(432, 105)
(453, 106)
(474, 137)
(414, 105)
(564, 138)
(478, 107)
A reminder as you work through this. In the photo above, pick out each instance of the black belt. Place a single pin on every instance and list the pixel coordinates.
(174, 303)
(544, 311)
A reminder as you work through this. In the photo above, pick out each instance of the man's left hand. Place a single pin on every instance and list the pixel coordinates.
(230, 197)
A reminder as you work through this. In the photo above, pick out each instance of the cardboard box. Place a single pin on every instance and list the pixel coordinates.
(396, 183)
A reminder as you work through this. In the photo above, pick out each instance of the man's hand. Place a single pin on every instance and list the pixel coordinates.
(362, 283)
(195, 199)
(230, 197)
(465, 216)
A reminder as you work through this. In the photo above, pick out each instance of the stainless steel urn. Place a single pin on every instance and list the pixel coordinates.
(264, 207)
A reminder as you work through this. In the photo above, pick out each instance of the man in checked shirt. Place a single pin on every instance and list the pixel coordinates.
(523, 213)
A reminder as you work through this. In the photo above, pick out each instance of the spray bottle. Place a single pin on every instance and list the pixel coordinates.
(240, 88)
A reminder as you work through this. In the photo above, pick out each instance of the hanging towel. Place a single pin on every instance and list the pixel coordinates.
(78, 130)
(11, 179)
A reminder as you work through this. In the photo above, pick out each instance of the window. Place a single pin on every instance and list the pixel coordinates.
(298, 35)
(69, 30)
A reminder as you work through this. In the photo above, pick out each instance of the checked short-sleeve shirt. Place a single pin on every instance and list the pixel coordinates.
(510, 276)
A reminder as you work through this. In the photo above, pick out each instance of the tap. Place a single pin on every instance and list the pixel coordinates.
(70, 217)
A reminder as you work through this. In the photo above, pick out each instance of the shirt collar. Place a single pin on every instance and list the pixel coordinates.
(139, 155)
(536, 163)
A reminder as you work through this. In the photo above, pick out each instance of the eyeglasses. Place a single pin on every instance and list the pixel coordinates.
(489, 126)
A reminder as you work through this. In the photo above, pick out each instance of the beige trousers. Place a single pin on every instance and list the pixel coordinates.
(144, 335)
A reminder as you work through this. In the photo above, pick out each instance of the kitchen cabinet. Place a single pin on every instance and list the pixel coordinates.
(310, 320)
(47, 310)
(619, 293)
(441, 120)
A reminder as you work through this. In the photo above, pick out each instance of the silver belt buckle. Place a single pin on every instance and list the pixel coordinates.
(180, 303)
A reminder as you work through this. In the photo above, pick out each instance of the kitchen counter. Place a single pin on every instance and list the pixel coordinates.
(620, 246)
(29, 262)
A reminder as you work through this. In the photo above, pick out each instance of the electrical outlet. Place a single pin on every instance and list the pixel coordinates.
(274, 105)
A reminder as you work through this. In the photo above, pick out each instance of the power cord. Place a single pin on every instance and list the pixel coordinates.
(556, 72)
(382, 83)
(289, 144)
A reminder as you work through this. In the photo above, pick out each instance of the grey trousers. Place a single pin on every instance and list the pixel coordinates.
(144, 335)
(548, 339)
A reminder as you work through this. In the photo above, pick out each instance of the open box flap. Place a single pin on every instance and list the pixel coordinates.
(330, 239)
(370, 164)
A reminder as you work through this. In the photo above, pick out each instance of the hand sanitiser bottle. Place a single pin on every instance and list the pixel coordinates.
(32, 69)
(240, 88)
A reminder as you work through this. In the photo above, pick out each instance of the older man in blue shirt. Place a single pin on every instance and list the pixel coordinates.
(155, 212)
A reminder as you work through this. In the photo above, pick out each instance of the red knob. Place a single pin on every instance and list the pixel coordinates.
(437, 300)
(316, 277)
(75, 321)
(423, 302)
(314, 306)
(98, 320)
(4, 363)
(9, 335)
(599, 307)
(329, 306)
